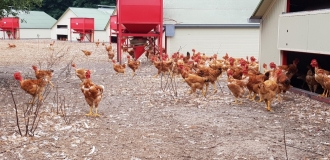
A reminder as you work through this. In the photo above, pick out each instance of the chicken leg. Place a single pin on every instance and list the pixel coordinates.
(215, 88)
(50, 82)
(90, 111)
(323, 94)
(96, 114)
(268, 106)
(203, 92)
(40, 97)
(326, 93)
(32, 102)
(206, 88)
(253, 98)
(279, 98)
(249, 95)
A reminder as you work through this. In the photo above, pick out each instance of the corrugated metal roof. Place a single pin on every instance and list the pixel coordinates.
(208, 12)
(101, 16)
(36, 19)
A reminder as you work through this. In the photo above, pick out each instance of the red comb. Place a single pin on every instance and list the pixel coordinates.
(272, 65)
(252, 59)
(229, 72)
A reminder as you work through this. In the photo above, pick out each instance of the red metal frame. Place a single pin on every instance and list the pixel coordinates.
(284, 54)
(10, 25)
(83, 26)
(138, 19)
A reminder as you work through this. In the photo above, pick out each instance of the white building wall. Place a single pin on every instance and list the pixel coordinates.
(64, 20)
(108, 34)
(237, 42)
(33, 33)
(102, 35)
(269, 34)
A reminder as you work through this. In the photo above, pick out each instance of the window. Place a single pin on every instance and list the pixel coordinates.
(62, 26)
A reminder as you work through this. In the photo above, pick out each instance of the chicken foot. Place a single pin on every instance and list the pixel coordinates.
(253, 98)
(96, 114)
(323, 94)
(156, 75)
(236, 101)
(159, 73)
(90, 111)
(123, 73)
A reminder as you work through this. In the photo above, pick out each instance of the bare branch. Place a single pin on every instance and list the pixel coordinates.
(17, 122)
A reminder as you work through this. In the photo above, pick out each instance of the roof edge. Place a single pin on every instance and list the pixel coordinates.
(257, 8)
(63, 15)
(262, 4)
(217, 25)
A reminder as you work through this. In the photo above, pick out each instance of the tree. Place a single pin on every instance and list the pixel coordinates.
(12, 7)
(56, 8)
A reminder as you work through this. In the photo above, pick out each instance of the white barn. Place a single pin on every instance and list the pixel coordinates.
(211, 26)
(292, 29)
(34, 23)
(61, 29)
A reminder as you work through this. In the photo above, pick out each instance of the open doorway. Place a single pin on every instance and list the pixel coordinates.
(305, 59)
(307, 5)
(62, 37)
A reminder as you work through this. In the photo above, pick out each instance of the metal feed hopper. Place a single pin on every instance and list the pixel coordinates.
(84, 27)
(138, 23)
(10, 26)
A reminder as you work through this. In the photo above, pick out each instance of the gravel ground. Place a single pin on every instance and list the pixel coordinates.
(141, 118)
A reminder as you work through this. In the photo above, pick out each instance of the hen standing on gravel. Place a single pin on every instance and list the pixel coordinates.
(93, 94)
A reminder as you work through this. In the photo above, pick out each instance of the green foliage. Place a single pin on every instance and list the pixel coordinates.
(10, 7)
(56, 8)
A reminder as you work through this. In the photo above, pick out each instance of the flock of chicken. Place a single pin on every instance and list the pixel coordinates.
(197, 70)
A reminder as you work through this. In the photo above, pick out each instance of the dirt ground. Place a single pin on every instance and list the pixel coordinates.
(142, 118)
